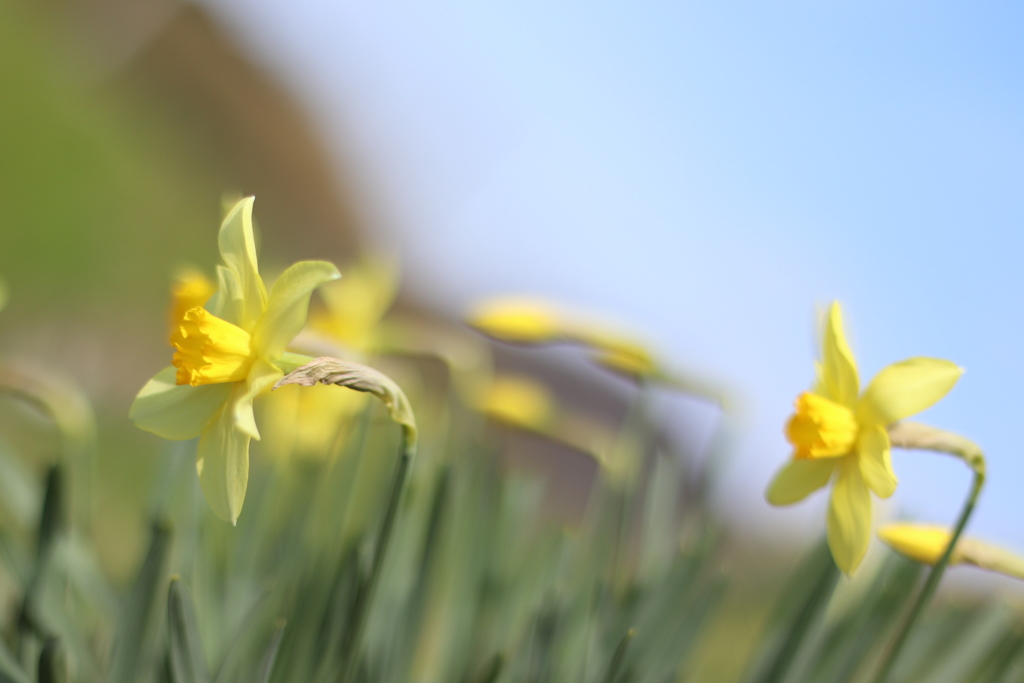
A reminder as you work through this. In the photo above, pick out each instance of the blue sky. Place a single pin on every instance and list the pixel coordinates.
(708, 173)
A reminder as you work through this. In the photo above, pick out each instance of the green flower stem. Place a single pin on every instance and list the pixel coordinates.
(933, 579)
(360, 610)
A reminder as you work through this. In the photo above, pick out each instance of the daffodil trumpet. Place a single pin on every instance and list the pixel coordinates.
(358, 377)
(840, 435)
(227, 352)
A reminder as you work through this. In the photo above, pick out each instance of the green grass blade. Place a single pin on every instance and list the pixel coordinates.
(188, 664)
(816, 579)
(51, 521)
(10, 671)
(51, 669)
(618, 657)
(133, 638)
(270, 656)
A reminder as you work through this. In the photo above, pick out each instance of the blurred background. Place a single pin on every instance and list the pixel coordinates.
(709, 175)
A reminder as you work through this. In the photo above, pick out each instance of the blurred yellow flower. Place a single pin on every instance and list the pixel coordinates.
(355, 305)
(531, 321)
(839, 435)
(191, 288)
(225, 355)
(519, 402)
(926, 543)
(304, 422)
(519, 320)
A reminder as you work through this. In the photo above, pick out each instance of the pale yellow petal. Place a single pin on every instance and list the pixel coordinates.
(261, 377)
(838, 368)
(176, 412)
(238, 250)
(287, 306)
(222, 460)
(798, 479)
(226, 303)
(875, 458)
(849, 517)
(906, 388)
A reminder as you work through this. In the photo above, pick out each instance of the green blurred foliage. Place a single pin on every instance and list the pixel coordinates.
(93, 211)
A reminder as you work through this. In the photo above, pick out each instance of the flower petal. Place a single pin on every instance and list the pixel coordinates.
(849, 517)
(238, 249)
(261, 377)
(176, 412)
(875, 458)
(798, 479)
(222, 461)
(906, 388)
(226, 303)
(286, 310)
(838, 368)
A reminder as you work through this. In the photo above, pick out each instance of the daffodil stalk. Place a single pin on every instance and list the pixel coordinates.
(366, 379)
(916, 436)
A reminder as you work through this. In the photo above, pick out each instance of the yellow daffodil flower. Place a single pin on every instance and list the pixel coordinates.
(521, 320)
(926, 544)
(519, 402)
(530, 321)
(356, 304)
(225, 355)
(840, 435)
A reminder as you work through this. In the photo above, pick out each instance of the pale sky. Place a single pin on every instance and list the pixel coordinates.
(710, 174)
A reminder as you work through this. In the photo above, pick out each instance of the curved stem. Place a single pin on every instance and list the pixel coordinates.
(933, 580)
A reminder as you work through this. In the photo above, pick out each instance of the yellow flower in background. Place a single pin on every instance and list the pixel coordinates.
(531, 321)
(225, 355)
(191, 288)
(519, 320)
(520, 402)
(355, 305)
(926, 543)
(840, 435)
(304, 421)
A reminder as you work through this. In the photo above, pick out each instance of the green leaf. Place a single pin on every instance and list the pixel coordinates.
(51, 668)
(800, 607)
(618, 657)
(187, 661)
(10, 671)
(133, 638)
(51, 521)
(270, 656)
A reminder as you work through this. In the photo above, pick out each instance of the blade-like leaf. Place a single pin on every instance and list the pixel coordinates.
(51, 669)
(133, 639)
(270, 656)
(188, 664)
